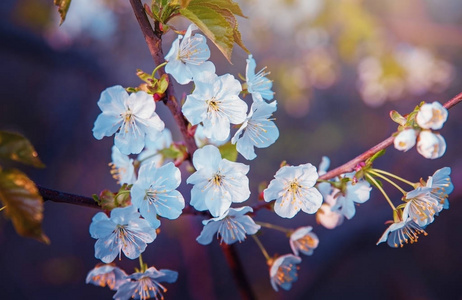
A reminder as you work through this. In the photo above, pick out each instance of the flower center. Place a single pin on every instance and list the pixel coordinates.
(105, 279)
(217, 179)
(425, 209)
(294, 186)
(306, 243)
(128, 120)
(191, 51)
(122, 233)
(285, 274)
(127, 116)
(231, 230)
(146, 286)
(151, 196)
(213, 104)
(436, 115)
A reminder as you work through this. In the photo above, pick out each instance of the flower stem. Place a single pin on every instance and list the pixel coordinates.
(260, 245)
(381, 190)
(326, 181)
(142, 264)
(157, 68)
(388, 180)
(148, 157)
(273, 226)
(394, 176)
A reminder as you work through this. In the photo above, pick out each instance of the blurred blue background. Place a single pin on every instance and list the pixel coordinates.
(338, 67)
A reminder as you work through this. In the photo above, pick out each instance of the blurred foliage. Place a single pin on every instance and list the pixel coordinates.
(23, 203)
(18, 194)
(34, 14)
(63, 7)
(329, 40)
(332, 37)
(16, 147)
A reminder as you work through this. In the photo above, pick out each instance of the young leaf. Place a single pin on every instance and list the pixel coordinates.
(16, 147)
(213, 25)
(208, 15)
(24, 205)
(225, 4)
(397, 117)
(376, 155)
(182, 3)
(63, 7)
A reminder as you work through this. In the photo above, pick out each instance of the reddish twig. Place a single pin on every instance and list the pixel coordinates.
(154, 42)
(349, 166)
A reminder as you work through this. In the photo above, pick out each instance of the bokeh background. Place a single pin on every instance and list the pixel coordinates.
(339, 67)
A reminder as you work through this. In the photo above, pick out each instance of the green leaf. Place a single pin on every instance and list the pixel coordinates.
(16, 147)
(162, 84)
(226, 9)
(238, 40)
(213, 25)
(229, 16)
(397, 117)
(182, 3)
(24, 205)
(371, 159)
(228, 151)
(63, 7)
(225, 4)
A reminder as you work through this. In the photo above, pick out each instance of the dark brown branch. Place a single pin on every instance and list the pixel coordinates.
(57, 196)
(237, 269)
(154, 41)
(349, 166)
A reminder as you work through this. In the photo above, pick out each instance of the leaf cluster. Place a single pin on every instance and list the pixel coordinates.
(406, 121)
(19, 195)
(152, 85)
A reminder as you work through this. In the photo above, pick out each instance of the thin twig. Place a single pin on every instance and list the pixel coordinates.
(349, 166)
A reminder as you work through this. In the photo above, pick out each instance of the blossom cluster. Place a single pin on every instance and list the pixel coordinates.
(150, 180)
(214, 109)
(421, 205)
(340, 200)
(283, 270)
(139, 285)
(294, 189)
(430, 144)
